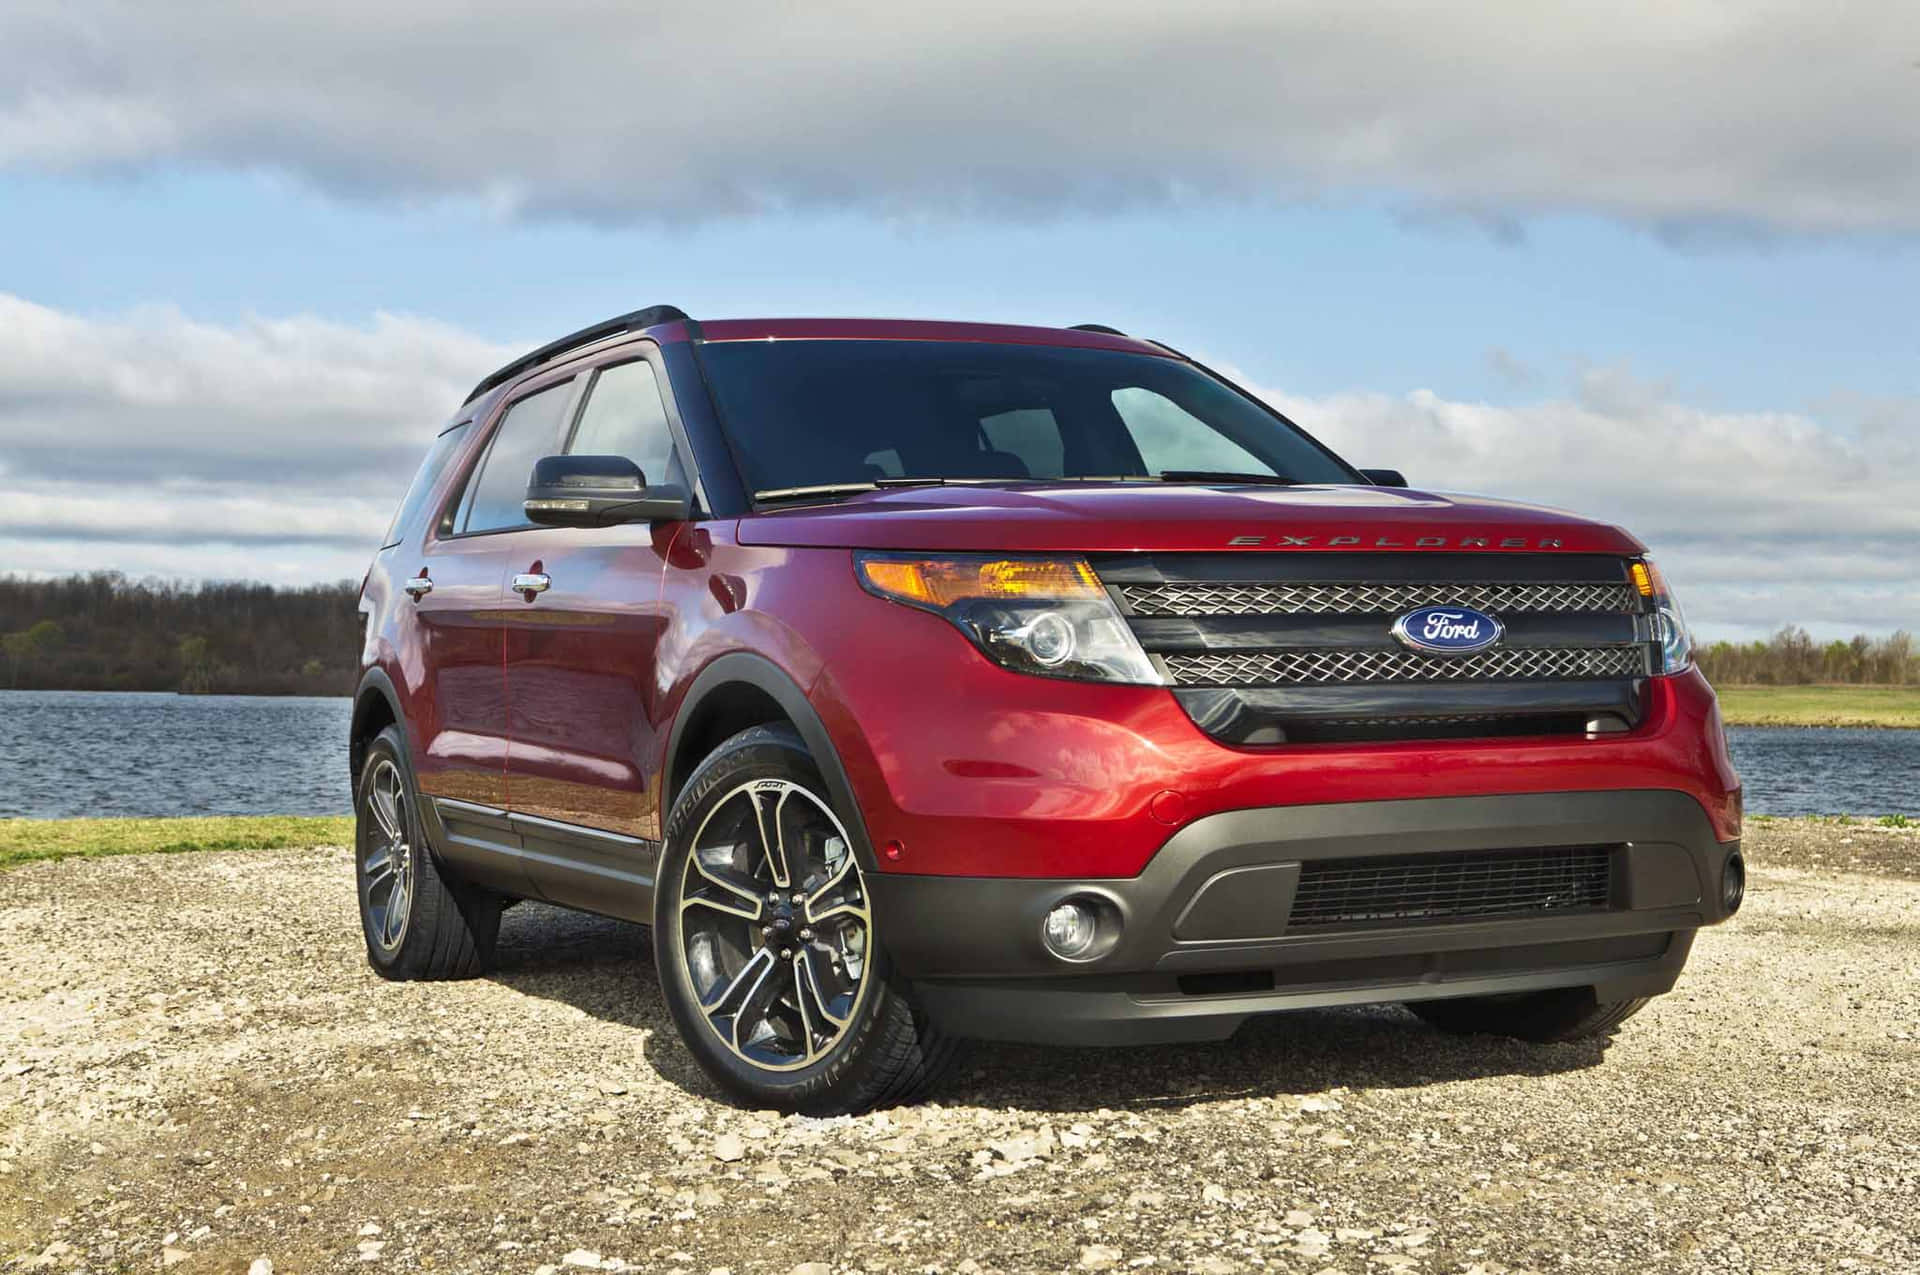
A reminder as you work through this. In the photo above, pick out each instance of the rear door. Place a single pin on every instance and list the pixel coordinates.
(581, 648)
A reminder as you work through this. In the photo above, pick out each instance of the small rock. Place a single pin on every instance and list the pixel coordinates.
(260, 1266)
(811, 1268)
(370, 1250)
(728, 1148)
(171, 1256)
(370, 1229)
(1099, 1257)
(584, 1258)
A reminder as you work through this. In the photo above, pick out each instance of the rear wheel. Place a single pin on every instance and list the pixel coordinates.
(418, 923)
(766, 942)
(1560, 1013)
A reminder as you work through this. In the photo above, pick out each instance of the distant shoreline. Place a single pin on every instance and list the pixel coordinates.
(1838, 707)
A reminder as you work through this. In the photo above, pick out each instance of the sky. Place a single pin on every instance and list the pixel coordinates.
(1657, 263)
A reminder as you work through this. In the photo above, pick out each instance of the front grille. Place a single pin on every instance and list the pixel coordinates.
(1438, 887)
(1298, 648)
(1271, 668)
(1354, 598)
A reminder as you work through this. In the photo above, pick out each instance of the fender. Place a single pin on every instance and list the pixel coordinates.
(764, 675)
(374, 679)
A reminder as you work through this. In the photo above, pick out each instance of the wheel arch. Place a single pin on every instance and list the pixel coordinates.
(376, 705)
(740, 690)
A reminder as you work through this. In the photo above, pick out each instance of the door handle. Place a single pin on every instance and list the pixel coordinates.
(532, 582)
(419, 587)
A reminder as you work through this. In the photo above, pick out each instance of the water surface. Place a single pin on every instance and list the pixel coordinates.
(65, 753)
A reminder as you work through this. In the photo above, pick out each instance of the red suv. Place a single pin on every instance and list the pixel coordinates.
(924, 681)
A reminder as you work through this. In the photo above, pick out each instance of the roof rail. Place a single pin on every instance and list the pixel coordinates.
(1096, 327)
(633, 321)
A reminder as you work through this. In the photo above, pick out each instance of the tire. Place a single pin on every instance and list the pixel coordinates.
(418, 922)
(765, 942)
(1557, 1014)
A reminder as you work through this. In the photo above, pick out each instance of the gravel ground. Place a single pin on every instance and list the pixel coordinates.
(198, 1072)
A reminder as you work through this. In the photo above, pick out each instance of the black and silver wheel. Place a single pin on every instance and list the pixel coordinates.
(417, 923)
(767, 945)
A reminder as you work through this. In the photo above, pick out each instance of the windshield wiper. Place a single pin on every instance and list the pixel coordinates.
(826, 491)
(1224, 476)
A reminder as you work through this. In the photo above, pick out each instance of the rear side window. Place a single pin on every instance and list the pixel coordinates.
(531, 429)
(625, 416)
(424, 481)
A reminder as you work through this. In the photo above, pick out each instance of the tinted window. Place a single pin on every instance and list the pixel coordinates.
(1170, 437)
(625, 417)
(1031, 435)
(424, 481)
(530, 430)
(800, 413)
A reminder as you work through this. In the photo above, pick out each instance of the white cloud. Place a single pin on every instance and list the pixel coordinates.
(273, 449)
(1773, 113)
(1761, 518)
(276, 449)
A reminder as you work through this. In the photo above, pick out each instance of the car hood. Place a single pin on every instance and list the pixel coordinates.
(1114, 517)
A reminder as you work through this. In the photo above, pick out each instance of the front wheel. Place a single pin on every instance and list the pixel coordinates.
(767, 946)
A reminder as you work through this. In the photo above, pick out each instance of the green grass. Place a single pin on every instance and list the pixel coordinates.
(23, 840)
(1821, 705)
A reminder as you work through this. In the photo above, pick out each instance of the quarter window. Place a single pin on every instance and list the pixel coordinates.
(624, 416)
(530, 430)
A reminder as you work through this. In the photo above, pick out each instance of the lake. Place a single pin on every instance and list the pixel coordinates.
(66, 753)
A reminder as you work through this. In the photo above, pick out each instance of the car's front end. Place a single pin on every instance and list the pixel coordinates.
(1144, 748)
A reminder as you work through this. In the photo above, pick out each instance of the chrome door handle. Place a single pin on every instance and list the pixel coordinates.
(419, 586)
(531, 582)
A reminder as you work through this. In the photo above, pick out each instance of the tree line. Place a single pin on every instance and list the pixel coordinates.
(104, 632)
(1792, 658)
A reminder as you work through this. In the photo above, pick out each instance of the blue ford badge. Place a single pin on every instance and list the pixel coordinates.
(1448, 630)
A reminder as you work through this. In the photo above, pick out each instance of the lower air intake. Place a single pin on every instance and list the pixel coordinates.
(1438, 887)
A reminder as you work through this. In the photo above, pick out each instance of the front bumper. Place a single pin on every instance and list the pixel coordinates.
(1204, 941)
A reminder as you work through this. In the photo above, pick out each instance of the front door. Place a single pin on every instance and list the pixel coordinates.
(583, 627)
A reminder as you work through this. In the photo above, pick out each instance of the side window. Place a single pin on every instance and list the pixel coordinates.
(1030, 434)
(1170, 437)
(625, 417)
(530, 430)
(424, 481)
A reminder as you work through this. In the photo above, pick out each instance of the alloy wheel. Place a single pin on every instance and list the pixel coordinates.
(386, 863)
(775, 929)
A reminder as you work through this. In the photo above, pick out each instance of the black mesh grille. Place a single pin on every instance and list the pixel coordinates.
(1433, 887)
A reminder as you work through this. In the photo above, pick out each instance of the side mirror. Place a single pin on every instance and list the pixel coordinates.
(1382, 477)
(598, 491)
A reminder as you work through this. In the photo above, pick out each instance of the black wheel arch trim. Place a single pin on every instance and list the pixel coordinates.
(743, 667)
(374, 680)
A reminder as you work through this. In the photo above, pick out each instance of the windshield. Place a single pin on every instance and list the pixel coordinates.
(818, 413)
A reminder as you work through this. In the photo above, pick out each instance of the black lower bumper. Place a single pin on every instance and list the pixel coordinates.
(1206, 939)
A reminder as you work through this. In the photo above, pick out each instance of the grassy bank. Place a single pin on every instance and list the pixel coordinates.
(22, 840)
(1821, 705)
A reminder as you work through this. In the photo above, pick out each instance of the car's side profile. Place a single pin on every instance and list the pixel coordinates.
(921, 681)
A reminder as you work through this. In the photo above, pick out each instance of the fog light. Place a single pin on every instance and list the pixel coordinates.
(1070, 930)
(1733, 884)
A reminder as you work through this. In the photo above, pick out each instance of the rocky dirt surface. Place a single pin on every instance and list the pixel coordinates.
(199, 1073)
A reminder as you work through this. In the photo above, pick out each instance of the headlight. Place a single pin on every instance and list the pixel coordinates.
(1036, 615)
(1670, 630)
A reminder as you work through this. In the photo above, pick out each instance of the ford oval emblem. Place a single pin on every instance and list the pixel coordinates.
(1448, 630)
